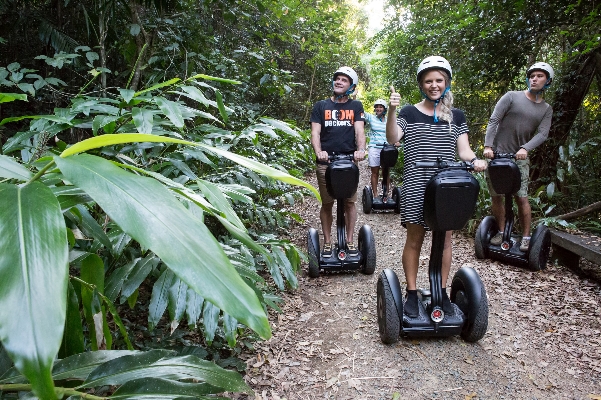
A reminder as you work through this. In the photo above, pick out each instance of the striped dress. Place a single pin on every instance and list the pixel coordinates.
(424, 140)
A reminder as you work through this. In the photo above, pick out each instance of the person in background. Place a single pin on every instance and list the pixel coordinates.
(337, 127)
(377, 137)
(519, 123)
(430, 129)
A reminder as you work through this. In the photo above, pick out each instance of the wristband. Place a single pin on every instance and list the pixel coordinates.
(473, 159)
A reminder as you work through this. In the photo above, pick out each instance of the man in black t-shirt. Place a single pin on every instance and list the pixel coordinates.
(337, 126)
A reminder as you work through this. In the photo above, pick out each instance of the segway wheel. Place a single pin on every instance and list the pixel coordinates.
(468, 292)
(396, 196)
(389, 322)
(367, 247)
(539, 248)
(367, 199)
(485, 230)
(313, 251)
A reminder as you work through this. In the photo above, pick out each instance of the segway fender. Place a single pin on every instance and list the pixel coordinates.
(395, 288)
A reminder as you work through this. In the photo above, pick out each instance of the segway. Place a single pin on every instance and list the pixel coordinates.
(342, 178)
(450, 199)
(388, 157)
(505, 177)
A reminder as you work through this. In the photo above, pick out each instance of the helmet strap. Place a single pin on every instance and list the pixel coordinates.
(435, 101)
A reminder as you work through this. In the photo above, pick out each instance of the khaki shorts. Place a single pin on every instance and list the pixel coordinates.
(524, 167)
(373, 156)
(320, 172)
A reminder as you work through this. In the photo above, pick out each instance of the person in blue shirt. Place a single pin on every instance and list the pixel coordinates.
(377, 137)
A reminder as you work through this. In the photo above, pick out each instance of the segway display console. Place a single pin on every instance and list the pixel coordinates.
(342, 178)
(505, 178)
(388, 158)
(449, 202)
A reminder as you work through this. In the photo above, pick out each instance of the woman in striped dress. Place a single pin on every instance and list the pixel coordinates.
(430, 129)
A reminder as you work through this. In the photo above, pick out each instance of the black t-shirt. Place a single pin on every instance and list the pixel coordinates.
(337, 124)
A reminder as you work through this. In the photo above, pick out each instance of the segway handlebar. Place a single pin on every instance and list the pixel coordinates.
(336, 157)
(504, 155)
(439, 164)
(381, 145)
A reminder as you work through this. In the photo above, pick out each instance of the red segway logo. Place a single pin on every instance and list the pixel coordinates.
(342, 255)
(437, 314)
(505, 246)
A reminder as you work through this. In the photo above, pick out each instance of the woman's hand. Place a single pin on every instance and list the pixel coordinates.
(395, 98)
(479, 165)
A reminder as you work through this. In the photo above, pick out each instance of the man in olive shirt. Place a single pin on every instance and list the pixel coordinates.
(519, 123)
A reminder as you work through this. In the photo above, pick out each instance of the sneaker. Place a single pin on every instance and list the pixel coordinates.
(352, 250)
(327, 250)
(525, 244)
(497, 239)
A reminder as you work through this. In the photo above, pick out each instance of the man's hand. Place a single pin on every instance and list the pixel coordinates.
(488, 153)
(522, 154)
(395, 98)
(322, 156)
(359, 155)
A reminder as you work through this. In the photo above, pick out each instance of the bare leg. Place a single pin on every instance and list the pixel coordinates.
(498, 210)
(524, 214)
(325, 215)
(375, 171)
(447, 257)
(411, 252)
(350, 218)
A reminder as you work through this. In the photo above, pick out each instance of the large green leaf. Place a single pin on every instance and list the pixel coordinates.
(11, 169)
(33, 280)
(73, 337)
(124, 369)
(171, 110)
(159, 298)
(8, 97)
(150, 214)
(157, 388)
(108, 140)
(79, 366)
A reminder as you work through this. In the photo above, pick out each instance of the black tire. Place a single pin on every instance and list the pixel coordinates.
(389, 323)
(484, 233)
(468, 292)
(540, 246)
(313, 250)
(367, 199)
(396, 196)
(367, 247)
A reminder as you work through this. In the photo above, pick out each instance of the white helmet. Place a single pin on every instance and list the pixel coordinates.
(350, 73)
(434, 62)
(381, 103)
(542, 66)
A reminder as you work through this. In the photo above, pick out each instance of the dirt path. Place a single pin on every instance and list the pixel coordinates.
(543, 338)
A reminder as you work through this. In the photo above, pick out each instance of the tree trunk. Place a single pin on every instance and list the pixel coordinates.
(573, 87)
(581, 211)
(143, 42)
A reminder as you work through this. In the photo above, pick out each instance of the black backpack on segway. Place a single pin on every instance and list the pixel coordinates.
(342, 178)
(388, 158)
(449, 202)
(505, 178)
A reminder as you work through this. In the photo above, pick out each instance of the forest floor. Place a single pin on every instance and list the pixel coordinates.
(543, 339)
